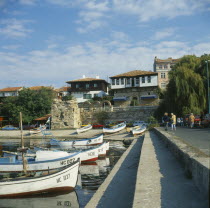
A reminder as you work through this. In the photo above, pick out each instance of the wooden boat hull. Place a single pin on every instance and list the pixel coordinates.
(89, 155)
(65, 179)
(83, 129)
(41, 164)
(139, 131)
(81, 142)
(114, 129)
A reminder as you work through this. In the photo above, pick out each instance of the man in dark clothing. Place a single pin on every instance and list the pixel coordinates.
(166, 120)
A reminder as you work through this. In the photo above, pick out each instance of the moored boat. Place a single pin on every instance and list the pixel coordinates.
(84, 128)
(42, 161)
(37, 130)
(67, 144)
(114, 129)
(140, 130)
(64, 179)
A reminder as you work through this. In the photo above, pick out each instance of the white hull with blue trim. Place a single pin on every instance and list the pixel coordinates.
(114, 129)
(85, 128)
(64, 179)
(81, 142)
(44, 160)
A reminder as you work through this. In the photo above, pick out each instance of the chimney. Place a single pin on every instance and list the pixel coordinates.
(97, 76)
(83, 76)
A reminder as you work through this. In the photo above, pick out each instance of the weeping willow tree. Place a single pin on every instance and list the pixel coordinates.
(186, 91)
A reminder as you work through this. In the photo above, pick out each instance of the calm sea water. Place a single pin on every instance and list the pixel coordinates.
(90, 178)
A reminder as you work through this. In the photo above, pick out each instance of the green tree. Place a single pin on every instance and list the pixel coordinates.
(31, 103)
(186, 91)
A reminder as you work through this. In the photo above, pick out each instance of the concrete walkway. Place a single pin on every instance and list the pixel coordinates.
(161, 181)
(118, 188)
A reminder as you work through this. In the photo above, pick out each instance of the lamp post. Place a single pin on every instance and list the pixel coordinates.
(208, 85)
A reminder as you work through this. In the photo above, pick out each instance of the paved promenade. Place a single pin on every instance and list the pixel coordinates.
(198, 138)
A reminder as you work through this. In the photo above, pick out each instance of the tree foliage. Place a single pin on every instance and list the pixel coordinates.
(31, 103)
(187, 88)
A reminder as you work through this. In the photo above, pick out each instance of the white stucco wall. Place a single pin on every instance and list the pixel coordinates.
(79, 95)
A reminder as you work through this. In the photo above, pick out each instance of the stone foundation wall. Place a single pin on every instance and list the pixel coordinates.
(131, 114)
(65, 114)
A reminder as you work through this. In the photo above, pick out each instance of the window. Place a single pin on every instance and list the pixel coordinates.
(160, 66)
(95, 85)
(122, 81)
(77, 85)
(95, 95)
(87, 85)
(128, 81)
(163, 85)
(143, 79)
(87, 96)
(149, 79)
(117, 81)
(137, 81)
(113, 81)
(163, 75)
(165, 66)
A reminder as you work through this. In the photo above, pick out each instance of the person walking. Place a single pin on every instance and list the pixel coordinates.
(166, 120)
(191, 120)
(173, 122)
(178, 121)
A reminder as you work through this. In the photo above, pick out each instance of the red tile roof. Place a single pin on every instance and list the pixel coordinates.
(135, 73)
(87, 79)
(11, 89)
(39, 87)
(63, 89)
(168, 60)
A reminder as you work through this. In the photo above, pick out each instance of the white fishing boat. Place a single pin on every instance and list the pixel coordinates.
(89, 155)
(140, 130)
(55, 200)
(67, 144)
(64, 179)
(102, 149)
(37, 130)
(114, 129)
(84, 128)
(41, 161)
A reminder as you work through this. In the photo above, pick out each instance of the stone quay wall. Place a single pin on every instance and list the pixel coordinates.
(67, 114)
(195, 163)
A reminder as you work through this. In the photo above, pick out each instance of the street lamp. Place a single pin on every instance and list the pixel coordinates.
(208, 85)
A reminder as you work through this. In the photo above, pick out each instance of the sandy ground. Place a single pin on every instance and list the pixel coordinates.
(68, 133)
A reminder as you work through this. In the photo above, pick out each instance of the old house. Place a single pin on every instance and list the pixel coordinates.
(135, 88)
(87, 88)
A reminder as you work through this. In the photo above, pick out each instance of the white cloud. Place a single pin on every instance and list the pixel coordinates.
(11, 47)
(152, 9)
(14, 28)
(90, 59)
(28, 2)
(164, 33)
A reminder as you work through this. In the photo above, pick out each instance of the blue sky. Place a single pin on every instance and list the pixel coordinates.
(49, 42)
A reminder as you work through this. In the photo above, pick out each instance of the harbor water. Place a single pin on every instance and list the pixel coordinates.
(91, 176)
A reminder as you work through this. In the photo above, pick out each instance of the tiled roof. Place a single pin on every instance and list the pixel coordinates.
(63, 89)
(135, 73)
(38, 87)
(10, 89)
(168, 60)
(43, 118)
(87, 79)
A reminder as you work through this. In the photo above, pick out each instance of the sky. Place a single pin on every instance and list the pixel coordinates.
(50, 42)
